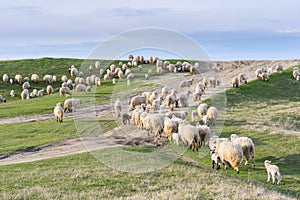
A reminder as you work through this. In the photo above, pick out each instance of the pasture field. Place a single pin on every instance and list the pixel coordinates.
(267, 112)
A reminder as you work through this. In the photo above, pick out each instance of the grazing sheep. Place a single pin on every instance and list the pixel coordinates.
(156, 105)
(159, 70)
(188, 134)
(164, 92)
(5, 78)
(12, 93)
(212, 82)
(296, 73)
(11, 81)
(170, 100)
(2, 99)
(59, 112)
(106, 77)
(35, 78)
(48, 79)
(54, 78)
(80, 88)
(25, 94)
(212, 114)
(81, 81)
(247, 146)
(199, 88)
(97, 64)
(170, 127)
(26, 85)
(184, 99)
(194, 115)
(64, 79)
(33, 93)
(152, 122)
(204, 133)
(197, 96)
(264, 76)
(70, 105)
(64, 91)
(120, 75)
(215, 160)
(40, 92)
(243, 78)
(73, 71)
(118, 107)
(258, 72)
(213, 140)
(230, 154)
(175, 137)
(186, 83)
(202, 110)
(50, 89)
(101, 72)
(204, 82)
(125, 118)
(136, 101)
(235, 82)
(19, 79)
(272, 170)
(70, 84)
(279, 68)
(147, 76)
(178, 114)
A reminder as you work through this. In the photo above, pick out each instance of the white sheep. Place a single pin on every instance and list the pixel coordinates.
(230, 154)
(97, 64)
(40, 92)
(136, 101)
(264, 76)
(12, 93)
(184, 99)
(247, 146)
(80, 88)
(25, 94)
(194, 115)
(5, 78)
(272, 170)
(197, 96)
(64, 91)
(54, 78)
(204, 133)
(258, 72)
(70, 105)
(64, 79)
(171, 100)
(202, 110)
(175, 137)
(212, 114)
(33, 93)
(50, 89)
(48, 79)
(186, 83)
(19, 79)
(215, 160)
(152, 123)
(204, 82)
(59, 112)
(279, 68)
(178, 114)
(296, 73)
(35, 78)
(101, 72)
(188, 135)
(212, 82)
(2, 99)
(130, 76)
(120, 75)
(106, 77)
(11, 81)
(156, 105)
(118, 107)
(243, 78)
(235, 82)
(170, 126)
(73, 71)
(159, 70)
(147, 76)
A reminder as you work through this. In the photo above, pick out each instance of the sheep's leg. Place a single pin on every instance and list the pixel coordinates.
(268, 176)
(213, 164)
(253, 162)
(273, 178)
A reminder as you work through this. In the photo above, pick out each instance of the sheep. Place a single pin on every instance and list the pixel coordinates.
(40, 92)
(212, 82)
(35, 78)
(258, 72)
(64, 79)
(90, 68)
(279, 68)
(264, 76)
(11, 81)
(152, 122)
(202, 110)
(159, 70)
(170, 100)
(272, 170)
(147, 76)
(26, 85)
(170, 127)
(19, 79)
(88, 88)
(48, 79)
(184, 99)
(5, 78)
(186, 83)
(136, 101)
(194, 115)
(235, 82)
(50, 89)
(73, 71)
(106, 77)
(97, 81)
(59, 112)
(247, 146)
(130, 76)
(212, 114)
(136, 117)
(128, 82)
(101, 72)
(12, 93)
(120, 75)
(118, 107)
(125, 119)
(296, 73)
(193, 70)
(204, 82)
(204, 133)
(25, 94)
(179, 114)
(80, 88)
(199, 88)
(54, 78)
(97, 64)
(70, 84)
(270, 70)
(213, 140)
(164, 92)
(25, 79)
(175, 138)
(156, 105)
(70, 105)
(197, 96)
(230, 153)
(81, 81)
(64, 91)
(215, 160)
(188, 134)
(113, 81)
(243, 78)
(33, 93)
(2, 99)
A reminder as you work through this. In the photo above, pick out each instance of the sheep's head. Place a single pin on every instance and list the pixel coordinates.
(267, 162)
(233, 137)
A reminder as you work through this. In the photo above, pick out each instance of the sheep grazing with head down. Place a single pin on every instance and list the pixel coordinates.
(189, 135)
(50, 89)
(194, 115)
(125, 118)
(247, 146)
(118, 107)
(243, 78)
(152, 123)
(235, 82)
(35, 78)
(212, 114)
(64, 91)
(26, 85)
(273, 171)
(48, 79)
(204, 133)
(170, 127)
(202, 110)
(59, 112)
(264, 76)
(296, 73)
(184, 99)
(25, 94)
(279, 68)
(70, 105)
(12, 93)
(2, 99)
(230, 153)
(175, 137)
(19, 79)
(170, 100)
(5, 78)
(136, 101)
(80, 88)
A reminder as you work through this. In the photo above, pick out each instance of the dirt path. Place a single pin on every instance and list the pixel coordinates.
(113, 137)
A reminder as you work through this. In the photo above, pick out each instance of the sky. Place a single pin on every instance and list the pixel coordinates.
(227, 30)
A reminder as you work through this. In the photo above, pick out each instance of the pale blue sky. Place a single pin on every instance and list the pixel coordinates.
(228, 30)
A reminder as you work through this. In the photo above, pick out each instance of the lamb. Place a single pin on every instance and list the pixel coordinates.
(230, 154)
(5, 78)
(80, 88)
(50, 89)
(186, 83)
(11, 81)
(175, 138)
(12, 93)
(59, 112)
(35, 78)
(202, 110)
(272, 170)
(64, 91)
(170, 127)
(247, 146)
(118, 107)
(19, 79)
(136, 101)
(25, 94)
(235, 82)
(48, 79)
(33, 93)
(204, 133)
(188, 134)
(215, 160)
(2, 99)
(26, 85)
(212, 114)
(125, 118)
(70, 105)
